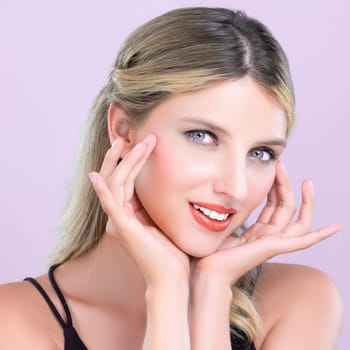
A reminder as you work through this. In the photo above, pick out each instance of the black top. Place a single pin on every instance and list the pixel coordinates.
(72, 340)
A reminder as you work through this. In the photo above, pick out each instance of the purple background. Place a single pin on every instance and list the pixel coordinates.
(54, 58)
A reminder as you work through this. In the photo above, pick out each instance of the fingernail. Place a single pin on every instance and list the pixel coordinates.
(115, 142)
(147, 140)
(93, 178)
(312, 187)
(137, 147)
(338, 229)
(283, 166)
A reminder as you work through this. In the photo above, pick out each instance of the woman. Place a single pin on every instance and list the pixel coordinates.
(182, 144)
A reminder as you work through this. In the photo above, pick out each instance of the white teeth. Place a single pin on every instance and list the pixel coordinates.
(222, 216)
(211, 213)
(214, 215)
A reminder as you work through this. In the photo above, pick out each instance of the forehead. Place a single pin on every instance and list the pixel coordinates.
(234, 105)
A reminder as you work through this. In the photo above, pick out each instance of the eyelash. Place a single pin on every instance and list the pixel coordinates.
(191, 135)
(269, 151)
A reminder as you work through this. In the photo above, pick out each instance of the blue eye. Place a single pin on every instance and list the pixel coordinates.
(263, 154)
(203, 137)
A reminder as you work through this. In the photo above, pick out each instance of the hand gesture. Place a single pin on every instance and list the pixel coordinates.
(274, 233)
(157, 257)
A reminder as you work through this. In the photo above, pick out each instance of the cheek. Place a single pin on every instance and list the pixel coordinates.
(166, 183)
(162, 167)
(259, 186)
(164, 174)
(172, 168)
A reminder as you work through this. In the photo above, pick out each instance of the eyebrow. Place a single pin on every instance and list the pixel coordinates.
(206, 124)
(275, 142)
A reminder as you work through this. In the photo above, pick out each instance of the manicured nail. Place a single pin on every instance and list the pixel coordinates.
(115, 142)
(93, 178)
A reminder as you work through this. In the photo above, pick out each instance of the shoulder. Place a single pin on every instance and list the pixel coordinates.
(300, 307)
(296, 280)
(21, 318)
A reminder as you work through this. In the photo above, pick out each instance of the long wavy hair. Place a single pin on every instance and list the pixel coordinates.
(181, 51)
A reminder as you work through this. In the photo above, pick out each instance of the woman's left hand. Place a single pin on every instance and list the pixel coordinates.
(274, 233)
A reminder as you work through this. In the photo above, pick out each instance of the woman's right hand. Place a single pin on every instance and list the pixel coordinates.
(164, 267)
(157, 257)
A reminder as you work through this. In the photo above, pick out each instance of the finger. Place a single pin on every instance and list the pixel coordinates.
(270, 206)
(130, 181)
(231, 242)
(303, 223)
(307, 207)
(121, 216)
(104, 195)
(256, 252)
(119, 178)
(290, 244)
(111, 159)
(285, 208)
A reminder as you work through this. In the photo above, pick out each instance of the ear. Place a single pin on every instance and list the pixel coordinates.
(120, 125)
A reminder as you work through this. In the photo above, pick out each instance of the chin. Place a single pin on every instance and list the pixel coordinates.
(198, 251)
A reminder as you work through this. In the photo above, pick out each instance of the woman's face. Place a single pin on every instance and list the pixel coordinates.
(213, 164)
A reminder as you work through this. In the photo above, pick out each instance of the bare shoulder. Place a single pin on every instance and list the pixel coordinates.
(296, 282)
(24, 319)
(300, 308)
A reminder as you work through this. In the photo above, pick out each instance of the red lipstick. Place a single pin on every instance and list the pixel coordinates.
(212, 224)
(219, 208)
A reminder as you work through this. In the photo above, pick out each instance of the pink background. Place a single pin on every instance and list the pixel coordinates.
(54, 58)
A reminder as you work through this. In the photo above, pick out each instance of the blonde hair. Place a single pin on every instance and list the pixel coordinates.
(181, 51)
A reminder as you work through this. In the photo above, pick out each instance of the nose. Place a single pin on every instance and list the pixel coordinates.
(231, 179)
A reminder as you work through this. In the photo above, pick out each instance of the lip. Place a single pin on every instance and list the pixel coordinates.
(219, 208)
(212, 224)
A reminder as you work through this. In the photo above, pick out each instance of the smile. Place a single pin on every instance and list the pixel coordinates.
(213, 217)
(212, 214)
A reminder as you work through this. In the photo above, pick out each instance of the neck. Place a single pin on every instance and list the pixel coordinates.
(106, 276)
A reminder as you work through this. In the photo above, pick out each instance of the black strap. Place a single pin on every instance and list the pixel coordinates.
(59, 294)
(47, 299)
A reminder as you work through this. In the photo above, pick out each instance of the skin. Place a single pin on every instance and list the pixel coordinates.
(213, 171)
(180, 272)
